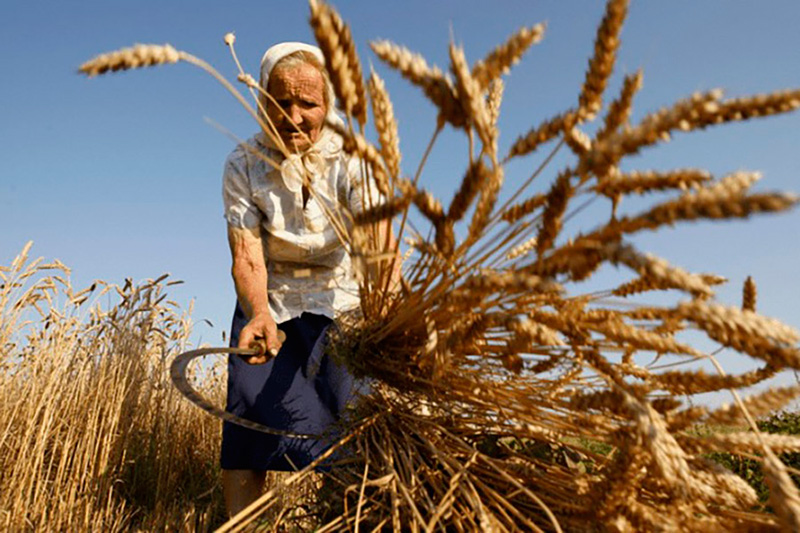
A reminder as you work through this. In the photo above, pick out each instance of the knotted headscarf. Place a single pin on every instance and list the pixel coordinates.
(312, 161)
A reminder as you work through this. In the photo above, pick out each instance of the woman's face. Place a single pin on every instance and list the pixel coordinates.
(300, 91)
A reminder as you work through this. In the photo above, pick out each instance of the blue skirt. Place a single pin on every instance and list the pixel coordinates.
(302, 390)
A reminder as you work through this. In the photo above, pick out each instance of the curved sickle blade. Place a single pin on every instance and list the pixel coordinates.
(178, 374)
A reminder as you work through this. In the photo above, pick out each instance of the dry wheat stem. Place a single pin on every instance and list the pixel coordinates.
(537, 172)
(229, 39)
(417, 175)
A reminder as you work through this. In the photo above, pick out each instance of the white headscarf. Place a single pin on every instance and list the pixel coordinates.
(311, 161)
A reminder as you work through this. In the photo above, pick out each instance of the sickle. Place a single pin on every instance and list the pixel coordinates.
(178, 374)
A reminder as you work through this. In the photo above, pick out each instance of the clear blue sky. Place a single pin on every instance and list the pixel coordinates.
(119, 176)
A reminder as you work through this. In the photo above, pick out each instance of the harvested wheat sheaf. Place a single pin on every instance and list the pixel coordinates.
(495, 378)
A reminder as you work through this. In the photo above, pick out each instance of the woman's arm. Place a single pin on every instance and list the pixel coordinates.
(250, 277)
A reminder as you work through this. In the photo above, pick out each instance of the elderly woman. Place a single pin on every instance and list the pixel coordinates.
(291, 273)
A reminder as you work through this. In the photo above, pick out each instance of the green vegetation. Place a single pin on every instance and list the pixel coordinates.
(749, 469)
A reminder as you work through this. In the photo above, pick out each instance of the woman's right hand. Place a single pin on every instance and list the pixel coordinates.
(261, 333)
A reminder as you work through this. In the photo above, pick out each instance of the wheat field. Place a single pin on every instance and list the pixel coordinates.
(94, 437)
(506, 395)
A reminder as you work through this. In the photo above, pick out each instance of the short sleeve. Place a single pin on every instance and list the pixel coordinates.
(363, 192)
(240, 211)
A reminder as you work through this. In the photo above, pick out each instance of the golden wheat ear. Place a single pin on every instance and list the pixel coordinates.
(749, 294)
(150, 55)
(137, 56)
(385, 124)
(500, 60)
(341, 59)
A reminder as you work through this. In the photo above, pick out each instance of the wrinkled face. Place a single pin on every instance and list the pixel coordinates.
(300, 92)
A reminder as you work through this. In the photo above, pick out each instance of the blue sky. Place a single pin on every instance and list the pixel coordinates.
(119, 176)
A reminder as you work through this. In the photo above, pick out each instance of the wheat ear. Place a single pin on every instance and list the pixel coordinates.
(384, 211)
(619, 112)
(137, 56)
(145, 55)
(336, 42)
(641, 182)
(555, 206)
(547, 130)
(471, 99)
(493, 100)
(385, 124)
(602, 63)
(745, 331)
(640, 339)
(477, 174)
(526, 207)
(761, 404)
(749, 293)
(698, 382)
(486, 202)
(502, 58)
(699, 111)
(656, 268)
(357, 144)
(436, 86)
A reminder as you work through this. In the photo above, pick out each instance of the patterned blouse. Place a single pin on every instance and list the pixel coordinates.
(308, 267)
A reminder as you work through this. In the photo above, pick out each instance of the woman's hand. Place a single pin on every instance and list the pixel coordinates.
(250, 277)
(261, 334)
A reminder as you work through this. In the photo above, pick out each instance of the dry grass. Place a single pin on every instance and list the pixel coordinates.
(494, 366)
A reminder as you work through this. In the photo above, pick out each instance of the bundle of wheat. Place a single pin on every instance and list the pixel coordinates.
(495, 387)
